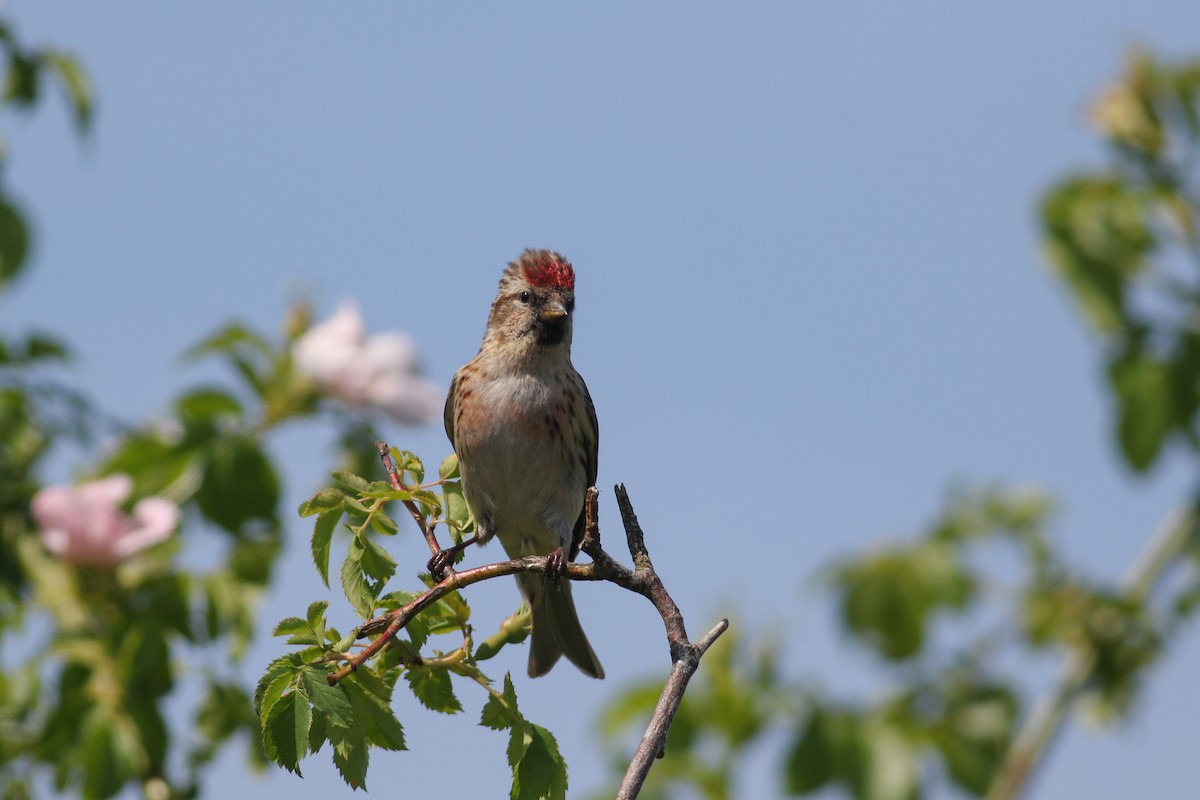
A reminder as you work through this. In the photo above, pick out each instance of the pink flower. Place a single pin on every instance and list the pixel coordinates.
(380, 371)
(85, 525)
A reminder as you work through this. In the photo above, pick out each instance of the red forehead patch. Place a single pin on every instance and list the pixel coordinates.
(549, 273)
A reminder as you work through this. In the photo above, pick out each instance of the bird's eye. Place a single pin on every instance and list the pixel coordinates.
(524, 297)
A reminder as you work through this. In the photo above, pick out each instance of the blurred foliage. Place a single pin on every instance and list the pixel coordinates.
(1124, 240)
(94, 661)
(93, 656)
(955, 616)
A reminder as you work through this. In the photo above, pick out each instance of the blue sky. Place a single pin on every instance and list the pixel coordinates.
(809, 291)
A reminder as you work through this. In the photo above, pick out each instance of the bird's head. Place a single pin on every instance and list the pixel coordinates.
(532, 311)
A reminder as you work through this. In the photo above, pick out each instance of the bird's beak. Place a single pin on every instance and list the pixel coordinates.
(552, 312)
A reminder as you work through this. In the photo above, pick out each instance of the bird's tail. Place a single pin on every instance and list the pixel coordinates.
(556, 628)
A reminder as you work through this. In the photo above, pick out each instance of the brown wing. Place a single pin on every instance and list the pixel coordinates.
(592, 433)
(448, 415)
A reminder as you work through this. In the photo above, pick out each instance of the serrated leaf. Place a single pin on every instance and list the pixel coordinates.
(541, 773)
(318, 734)
(322, 538)
(324, 500)
(352, 757)
(501, 713)
(289, 626)
(285, 731)
(383, 490)
(269, 689)
(376, 561)
(331, 701)
(432, 687)
(351, 482)
(316, 617)
(384, 524)
(407, 462)
(384, 729)
(354, 583)
(448, 469)
(430, 500)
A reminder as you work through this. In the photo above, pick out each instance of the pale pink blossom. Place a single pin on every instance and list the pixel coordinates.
(85, 524)
(380, 371)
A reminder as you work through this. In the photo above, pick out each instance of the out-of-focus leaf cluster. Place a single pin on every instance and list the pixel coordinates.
(951, 616)
(27, 70)
(301, 711)
(1124, 241)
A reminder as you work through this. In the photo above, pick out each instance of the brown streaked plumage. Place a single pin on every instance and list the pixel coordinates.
(524, 428)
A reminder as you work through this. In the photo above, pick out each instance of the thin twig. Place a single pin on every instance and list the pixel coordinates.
(394, 478)
(654, 739)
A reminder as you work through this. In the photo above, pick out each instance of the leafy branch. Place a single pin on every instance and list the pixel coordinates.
(298, 716)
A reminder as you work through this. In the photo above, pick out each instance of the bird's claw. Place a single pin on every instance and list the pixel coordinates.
(440, 561)
(556, 563)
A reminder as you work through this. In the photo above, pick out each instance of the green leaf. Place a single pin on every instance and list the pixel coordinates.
(75, 83)
(14, 242)
(285, 730)
(289, 626)
(826, 749)
(239, 484)
(354, 584)
(384, 729)
(110, 753)
(41, 347)
(540, 772)
(351, 757)
(327, 499)
(330, 701)
(23, 78)
(351, 482)
(207, 405)
(432, 687)
(376, 561)
(891, 763)
(316, 617)
(1098, 237)
(811, 759)
(384, 524)
(269, 688)
(322, 537)
(457, 514)
(408, 463)
(431, 501)
(501, 713)
(449, 467)
(1145, 411)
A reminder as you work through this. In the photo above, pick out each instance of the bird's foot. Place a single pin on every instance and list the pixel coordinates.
(556, 564)
(444, 559)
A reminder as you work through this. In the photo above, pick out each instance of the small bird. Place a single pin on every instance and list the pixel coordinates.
(524, 428)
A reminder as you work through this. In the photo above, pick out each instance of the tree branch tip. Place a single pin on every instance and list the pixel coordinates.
(712, 636)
